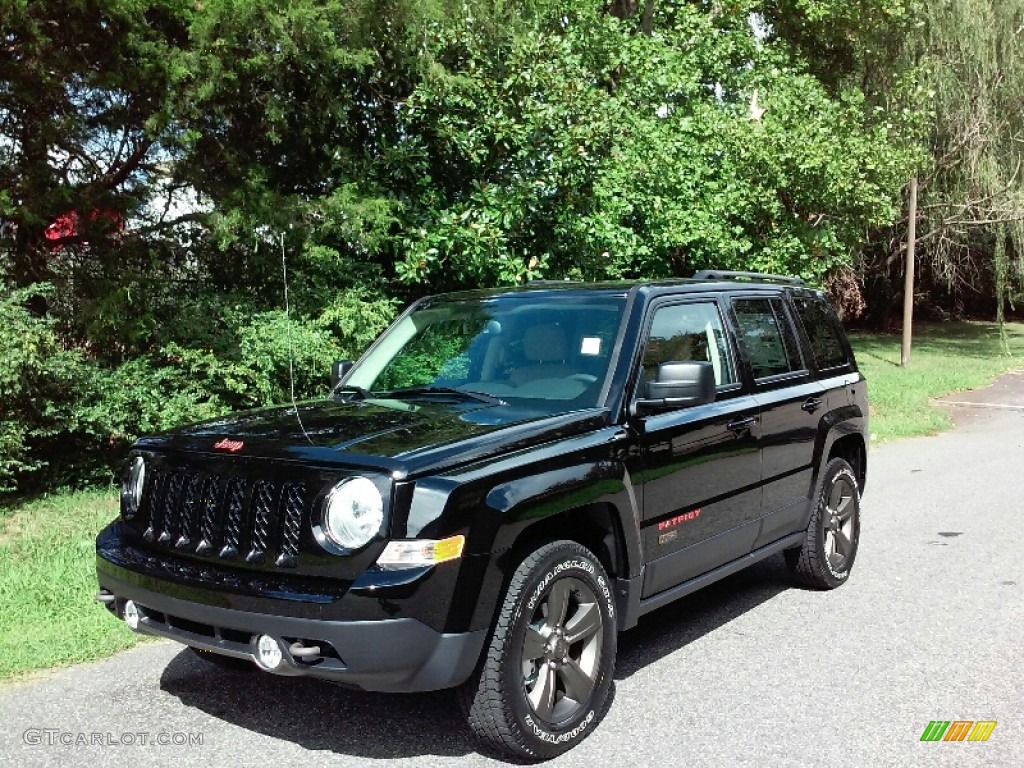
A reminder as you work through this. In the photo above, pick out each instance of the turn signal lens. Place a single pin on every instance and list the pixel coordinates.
(421, 552)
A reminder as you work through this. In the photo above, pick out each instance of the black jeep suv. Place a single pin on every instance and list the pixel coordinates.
(505, 481)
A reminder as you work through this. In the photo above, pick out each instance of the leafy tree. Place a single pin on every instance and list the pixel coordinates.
(163, 161)
(970, 56)
(946, 77)
(83, 109)
(567, 144)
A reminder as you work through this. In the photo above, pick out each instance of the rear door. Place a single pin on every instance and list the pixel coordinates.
(699, 467)
(791, 403)
(830, 352)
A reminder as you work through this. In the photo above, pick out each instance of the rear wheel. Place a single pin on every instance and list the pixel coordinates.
(825, 558)
(546, 678)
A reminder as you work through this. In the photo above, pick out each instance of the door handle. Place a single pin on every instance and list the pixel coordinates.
(741, 425)
(811, 404)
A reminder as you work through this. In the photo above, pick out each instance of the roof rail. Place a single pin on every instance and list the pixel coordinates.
(718, 274)
(552, 282)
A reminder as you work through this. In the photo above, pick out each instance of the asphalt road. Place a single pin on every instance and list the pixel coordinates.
(751, 671)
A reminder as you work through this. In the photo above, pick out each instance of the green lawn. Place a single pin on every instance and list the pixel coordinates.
(47, 579)
(945, 357)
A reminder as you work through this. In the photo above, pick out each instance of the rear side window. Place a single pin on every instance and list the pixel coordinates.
(767, 336)
(822, 332)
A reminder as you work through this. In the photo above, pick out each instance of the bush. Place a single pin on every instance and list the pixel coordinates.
(40, 385)
(66, 419)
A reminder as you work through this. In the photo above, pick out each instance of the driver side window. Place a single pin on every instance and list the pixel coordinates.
(681, 332)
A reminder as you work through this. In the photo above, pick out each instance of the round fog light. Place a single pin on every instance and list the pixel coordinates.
(268, 652)
(131, 615)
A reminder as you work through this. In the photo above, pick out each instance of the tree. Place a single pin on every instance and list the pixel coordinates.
(83, 112)
(384, 150)
(568, 144)
(970, 59)
(948, 77)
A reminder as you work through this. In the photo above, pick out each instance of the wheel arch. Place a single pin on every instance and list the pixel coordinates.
(841, 433)
(597, 526)
(853, 449)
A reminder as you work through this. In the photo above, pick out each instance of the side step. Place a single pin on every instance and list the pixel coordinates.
(674, 593)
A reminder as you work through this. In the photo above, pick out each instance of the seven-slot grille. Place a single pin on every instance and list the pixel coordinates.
(230, 518)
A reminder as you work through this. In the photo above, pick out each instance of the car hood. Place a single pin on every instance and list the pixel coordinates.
(404, 437)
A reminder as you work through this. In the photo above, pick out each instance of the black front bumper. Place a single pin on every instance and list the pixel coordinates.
(399, 654)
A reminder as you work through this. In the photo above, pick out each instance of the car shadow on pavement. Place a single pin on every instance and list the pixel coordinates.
(679, 623)
(321, 716)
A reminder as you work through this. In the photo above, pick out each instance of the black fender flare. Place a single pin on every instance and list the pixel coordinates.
(526, 501)
(834, 425)
(516, 506)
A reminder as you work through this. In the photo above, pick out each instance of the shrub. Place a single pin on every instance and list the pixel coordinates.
(66, 419)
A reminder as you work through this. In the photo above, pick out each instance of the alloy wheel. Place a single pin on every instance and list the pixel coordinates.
(839, 523)
(561, 656)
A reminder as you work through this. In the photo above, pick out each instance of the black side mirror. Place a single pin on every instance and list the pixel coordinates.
(680, 384)
(338, 370)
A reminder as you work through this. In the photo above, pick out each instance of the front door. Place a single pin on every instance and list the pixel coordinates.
(700, 466)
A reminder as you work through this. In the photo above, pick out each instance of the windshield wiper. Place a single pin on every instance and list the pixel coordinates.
(483, 397)
(364, 394)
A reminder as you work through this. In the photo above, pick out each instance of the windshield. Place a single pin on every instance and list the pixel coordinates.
(548, 354)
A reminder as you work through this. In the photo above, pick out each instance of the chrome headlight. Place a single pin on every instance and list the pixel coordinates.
(136, 482)
(353, 512)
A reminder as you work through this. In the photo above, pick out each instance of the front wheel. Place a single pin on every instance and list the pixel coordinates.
(546, 678)
(830, 544)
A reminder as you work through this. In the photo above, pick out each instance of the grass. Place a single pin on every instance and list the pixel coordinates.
(48, 578)
(47, 581)
(944, 358)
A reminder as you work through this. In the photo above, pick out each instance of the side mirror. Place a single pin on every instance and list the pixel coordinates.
(338, 370)
(679, 384)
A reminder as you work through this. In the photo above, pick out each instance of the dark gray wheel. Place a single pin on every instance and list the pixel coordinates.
(224, 662)
(545, 680)
(561, 652)
(830, 546)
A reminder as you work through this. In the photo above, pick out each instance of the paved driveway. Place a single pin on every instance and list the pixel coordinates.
(751, 671)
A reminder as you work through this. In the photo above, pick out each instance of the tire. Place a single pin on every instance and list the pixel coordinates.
(231, 663)
(825, 558)
(545, 680)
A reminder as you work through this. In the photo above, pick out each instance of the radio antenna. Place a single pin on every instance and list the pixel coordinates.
(288, 332)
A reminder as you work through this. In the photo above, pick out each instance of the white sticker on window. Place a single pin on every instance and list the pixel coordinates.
(591, 346)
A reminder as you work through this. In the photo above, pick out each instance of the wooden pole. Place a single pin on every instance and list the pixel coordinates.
(908, 276)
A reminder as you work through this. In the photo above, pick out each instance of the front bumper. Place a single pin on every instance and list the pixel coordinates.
(400, 654)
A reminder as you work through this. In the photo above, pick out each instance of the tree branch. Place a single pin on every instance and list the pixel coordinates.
(196, 217)
(115, 177)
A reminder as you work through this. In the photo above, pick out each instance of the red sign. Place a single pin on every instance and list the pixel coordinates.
(683, 518)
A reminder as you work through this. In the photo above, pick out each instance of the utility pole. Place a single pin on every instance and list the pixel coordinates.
(908, 276)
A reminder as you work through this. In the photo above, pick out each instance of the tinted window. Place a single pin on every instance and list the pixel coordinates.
(688, 332)
(767, 337)
(826, 345)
